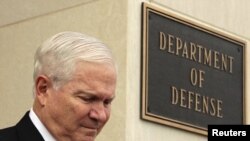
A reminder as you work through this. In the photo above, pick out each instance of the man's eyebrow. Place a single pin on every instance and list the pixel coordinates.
(90, 94)
(83, 92)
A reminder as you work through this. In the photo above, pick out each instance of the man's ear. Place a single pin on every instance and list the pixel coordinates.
(42, 86)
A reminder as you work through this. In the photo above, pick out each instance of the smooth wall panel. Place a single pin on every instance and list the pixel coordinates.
(104, 19)
(12, 11)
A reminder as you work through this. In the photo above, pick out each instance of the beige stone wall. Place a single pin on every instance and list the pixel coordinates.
(25, 24)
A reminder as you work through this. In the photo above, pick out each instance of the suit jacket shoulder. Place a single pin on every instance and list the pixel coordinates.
(24, 130)
(8, 134)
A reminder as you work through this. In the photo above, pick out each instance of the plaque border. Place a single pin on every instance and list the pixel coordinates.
(183, 19)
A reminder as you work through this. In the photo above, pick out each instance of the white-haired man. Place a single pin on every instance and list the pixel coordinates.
(74, 85)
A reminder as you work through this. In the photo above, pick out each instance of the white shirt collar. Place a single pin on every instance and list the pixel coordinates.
(40, 127)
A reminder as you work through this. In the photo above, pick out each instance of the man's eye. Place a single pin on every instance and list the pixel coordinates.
(107, 102)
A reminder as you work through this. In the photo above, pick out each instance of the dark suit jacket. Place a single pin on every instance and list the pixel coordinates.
(24, 130)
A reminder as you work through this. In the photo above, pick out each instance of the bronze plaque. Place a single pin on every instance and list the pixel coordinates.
(192, 74)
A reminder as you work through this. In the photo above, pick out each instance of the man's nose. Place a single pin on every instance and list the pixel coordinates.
(99, 112)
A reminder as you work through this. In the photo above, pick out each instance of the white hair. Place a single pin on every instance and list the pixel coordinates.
(57, 56)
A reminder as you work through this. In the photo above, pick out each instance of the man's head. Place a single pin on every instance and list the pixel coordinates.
(74, 85)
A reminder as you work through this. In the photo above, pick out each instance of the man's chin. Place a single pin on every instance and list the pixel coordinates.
(89, 138)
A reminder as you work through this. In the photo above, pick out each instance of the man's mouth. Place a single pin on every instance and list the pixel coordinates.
(90, 131)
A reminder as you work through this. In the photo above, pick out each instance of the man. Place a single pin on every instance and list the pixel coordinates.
(74, 85)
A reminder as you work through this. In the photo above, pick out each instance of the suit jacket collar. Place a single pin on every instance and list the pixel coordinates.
(27, 131)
